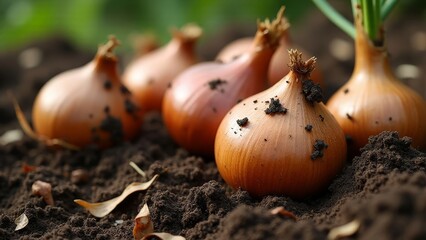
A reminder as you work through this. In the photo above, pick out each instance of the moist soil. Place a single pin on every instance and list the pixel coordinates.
(383, 188)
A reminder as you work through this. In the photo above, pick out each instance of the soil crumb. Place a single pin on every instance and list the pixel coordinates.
(242, 122)
(214, 84)
(311, 91)
(275, 107)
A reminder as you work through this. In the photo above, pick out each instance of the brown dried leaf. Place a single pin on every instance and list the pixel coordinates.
(143, 223)
(11, 136)
(102, 209)
(283, 212)
(21, 222)
(163, 236)
(44, 189)
(346, 230)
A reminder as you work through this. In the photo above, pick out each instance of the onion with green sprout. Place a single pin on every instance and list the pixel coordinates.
(373, 100)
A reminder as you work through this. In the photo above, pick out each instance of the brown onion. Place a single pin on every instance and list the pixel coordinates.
(148, 76)
(200, 96)
(282, 140)
(87, 105)
(373, 100)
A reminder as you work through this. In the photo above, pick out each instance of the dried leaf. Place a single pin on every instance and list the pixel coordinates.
(11, 136)
(143, 223)
(283, 212)
(102, 209)
(344, 231)
(21, 222)
(163, 236)
(44, 189)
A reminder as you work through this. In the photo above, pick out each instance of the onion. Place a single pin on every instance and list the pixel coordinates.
(148, 76)
(277, 67)
(87, 105)
(200, 96)
(282, 140)
(373, 100)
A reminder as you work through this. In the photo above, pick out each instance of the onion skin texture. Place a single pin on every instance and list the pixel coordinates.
(148, 76)
(373, 100)
(192, 111)
(277, 67)
(87, 105)
(194, 106)
(271, 154)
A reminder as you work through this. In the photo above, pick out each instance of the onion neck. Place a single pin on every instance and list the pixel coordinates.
(260, 59)
(286, 39)
(270, 34)
(263, 48)
(105, 60)
(106, 65)
(370, 58)
(181, 46)
(184, 39)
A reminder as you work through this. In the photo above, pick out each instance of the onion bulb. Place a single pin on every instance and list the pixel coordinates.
(148, 76)
(200, 96)
(373, 100)
(282, 140)
(87, 105)
(277, 67)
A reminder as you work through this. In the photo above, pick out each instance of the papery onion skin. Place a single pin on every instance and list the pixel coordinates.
(193, 107)
(373, 100)
(192, 127)
(87, 105)
(272, 154)
(148, 76)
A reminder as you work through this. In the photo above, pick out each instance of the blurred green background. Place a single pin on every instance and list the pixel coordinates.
(88, 22)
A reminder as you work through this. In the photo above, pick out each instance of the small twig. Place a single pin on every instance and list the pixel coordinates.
(137, 169)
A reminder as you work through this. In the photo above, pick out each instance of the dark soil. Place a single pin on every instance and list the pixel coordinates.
(384, 188)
